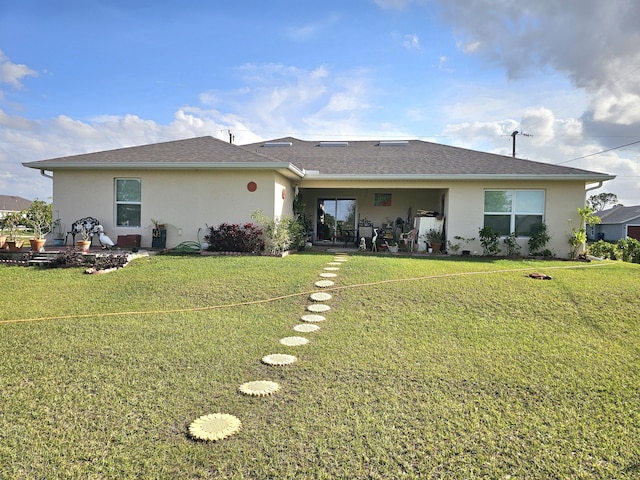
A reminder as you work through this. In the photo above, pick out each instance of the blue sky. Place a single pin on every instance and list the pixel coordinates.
(87, 75)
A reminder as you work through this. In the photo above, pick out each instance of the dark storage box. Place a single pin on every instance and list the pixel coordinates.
(129, 241)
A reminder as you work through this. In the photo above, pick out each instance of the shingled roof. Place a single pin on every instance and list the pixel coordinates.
(354, 159)
(619, 214)
(407, 158)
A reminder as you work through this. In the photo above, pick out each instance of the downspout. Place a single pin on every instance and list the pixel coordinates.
(599, 185)
(42, 172)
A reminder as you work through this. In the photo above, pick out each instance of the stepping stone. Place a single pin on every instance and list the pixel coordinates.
(334, 263)
(293, 341)
(215, 426)
(324, 283)
(328, 275)
(318, 308)
(278, 359)
(312, 318)
(259, 388)
(306, 328)
(331, 269)
(320, 297)
(340, 260)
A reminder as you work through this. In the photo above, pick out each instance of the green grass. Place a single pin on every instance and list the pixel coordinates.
(475, 372)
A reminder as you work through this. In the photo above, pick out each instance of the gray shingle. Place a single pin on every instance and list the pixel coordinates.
(358, 158)
(619, 214)
(416, 157)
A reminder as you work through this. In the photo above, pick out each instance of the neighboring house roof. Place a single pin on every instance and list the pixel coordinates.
(11, 203)
(393, 160)
(619, 214)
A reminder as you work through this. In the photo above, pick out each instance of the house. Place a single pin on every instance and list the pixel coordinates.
(347, 187)
(11, 203)
(616, 223)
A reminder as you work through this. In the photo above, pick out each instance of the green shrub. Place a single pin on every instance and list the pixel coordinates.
(281, 234)
(228, 237)
(511, 242)
(538, 241)
(489, 239)
(629, 249)
(603, 249)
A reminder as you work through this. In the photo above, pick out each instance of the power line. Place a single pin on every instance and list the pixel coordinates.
(598, 153)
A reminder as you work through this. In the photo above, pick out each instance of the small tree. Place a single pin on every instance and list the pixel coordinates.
(39, 218)
(10, 223)
(538, 241)
(489, 239)
(578, 236)
(511, 242)
(280, 234)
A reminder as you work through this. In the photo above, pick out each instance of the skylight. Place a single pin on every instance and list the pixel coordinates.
(278, 144)
(393, 143)
(333, 144)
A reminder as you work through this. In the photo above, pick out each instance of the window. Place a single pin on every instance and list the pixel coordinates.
(519, 211)
(128, 202)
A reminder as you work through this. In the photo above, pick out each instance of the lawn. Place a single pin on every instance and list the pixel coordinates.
(424, 368)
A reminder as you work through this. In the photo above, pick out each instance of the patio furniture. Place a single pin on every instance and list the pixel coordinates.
(89, 224)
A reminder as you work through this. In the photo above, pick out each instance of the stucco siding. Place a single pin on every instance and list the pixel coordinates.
(184, 200)
(562, 200)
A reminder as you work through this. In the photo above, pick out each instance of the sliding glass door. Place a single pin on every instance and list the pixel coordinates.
(336, 220)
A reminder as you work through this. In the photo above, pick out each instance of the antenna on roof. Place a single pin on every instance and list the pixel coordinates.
(231, 136)
(513, 135)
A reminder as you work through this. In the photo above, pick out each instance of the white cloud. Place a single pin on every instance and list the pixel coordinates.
(306, 32)
(411, 42)
(13, 73)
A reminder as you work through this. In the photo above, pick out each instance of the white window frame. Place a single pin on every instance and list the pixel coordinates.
(119, 202)
(514, 213)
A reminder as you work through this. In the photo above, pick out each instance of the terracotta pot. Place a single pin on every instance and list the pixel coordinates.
(3, 240)
(15, 246)
(37, 244)
(83, 245)
(436, 246)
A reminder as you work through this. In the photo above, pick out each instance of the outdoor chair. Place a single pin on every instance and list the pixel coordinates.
(89, 224)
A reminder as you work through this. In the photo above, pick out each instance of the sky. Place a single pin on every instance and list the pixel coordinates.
(80, 76)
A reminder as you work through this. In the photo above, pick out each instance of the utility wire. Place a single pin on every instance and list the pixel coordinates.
(598, 153)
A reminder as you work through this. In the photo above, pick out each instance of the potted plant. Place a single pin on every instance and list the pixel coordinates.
(435, 239)
(38, 218)
(12, 221)
(158, 234)
(3, 236)
(392, 246)
(85, 243)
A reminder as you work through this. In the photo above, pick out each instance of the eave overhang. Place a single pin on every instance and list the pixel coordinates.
(287, 169)
(462, 177)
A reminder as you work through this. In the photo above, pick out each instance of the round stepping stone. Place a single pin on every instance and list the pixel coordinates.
(331, 269)
(312, 318)
(278, 359)
(215, 426)
(318, 308)
(340, 260)
(259, 388)
(293, 341)
(306, 328)
(334, 263)
(320, 297)
(328, 275)
(324, 283)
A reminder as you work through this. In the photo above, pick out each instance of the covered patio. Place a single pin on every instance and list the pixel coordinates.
(343, 216)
